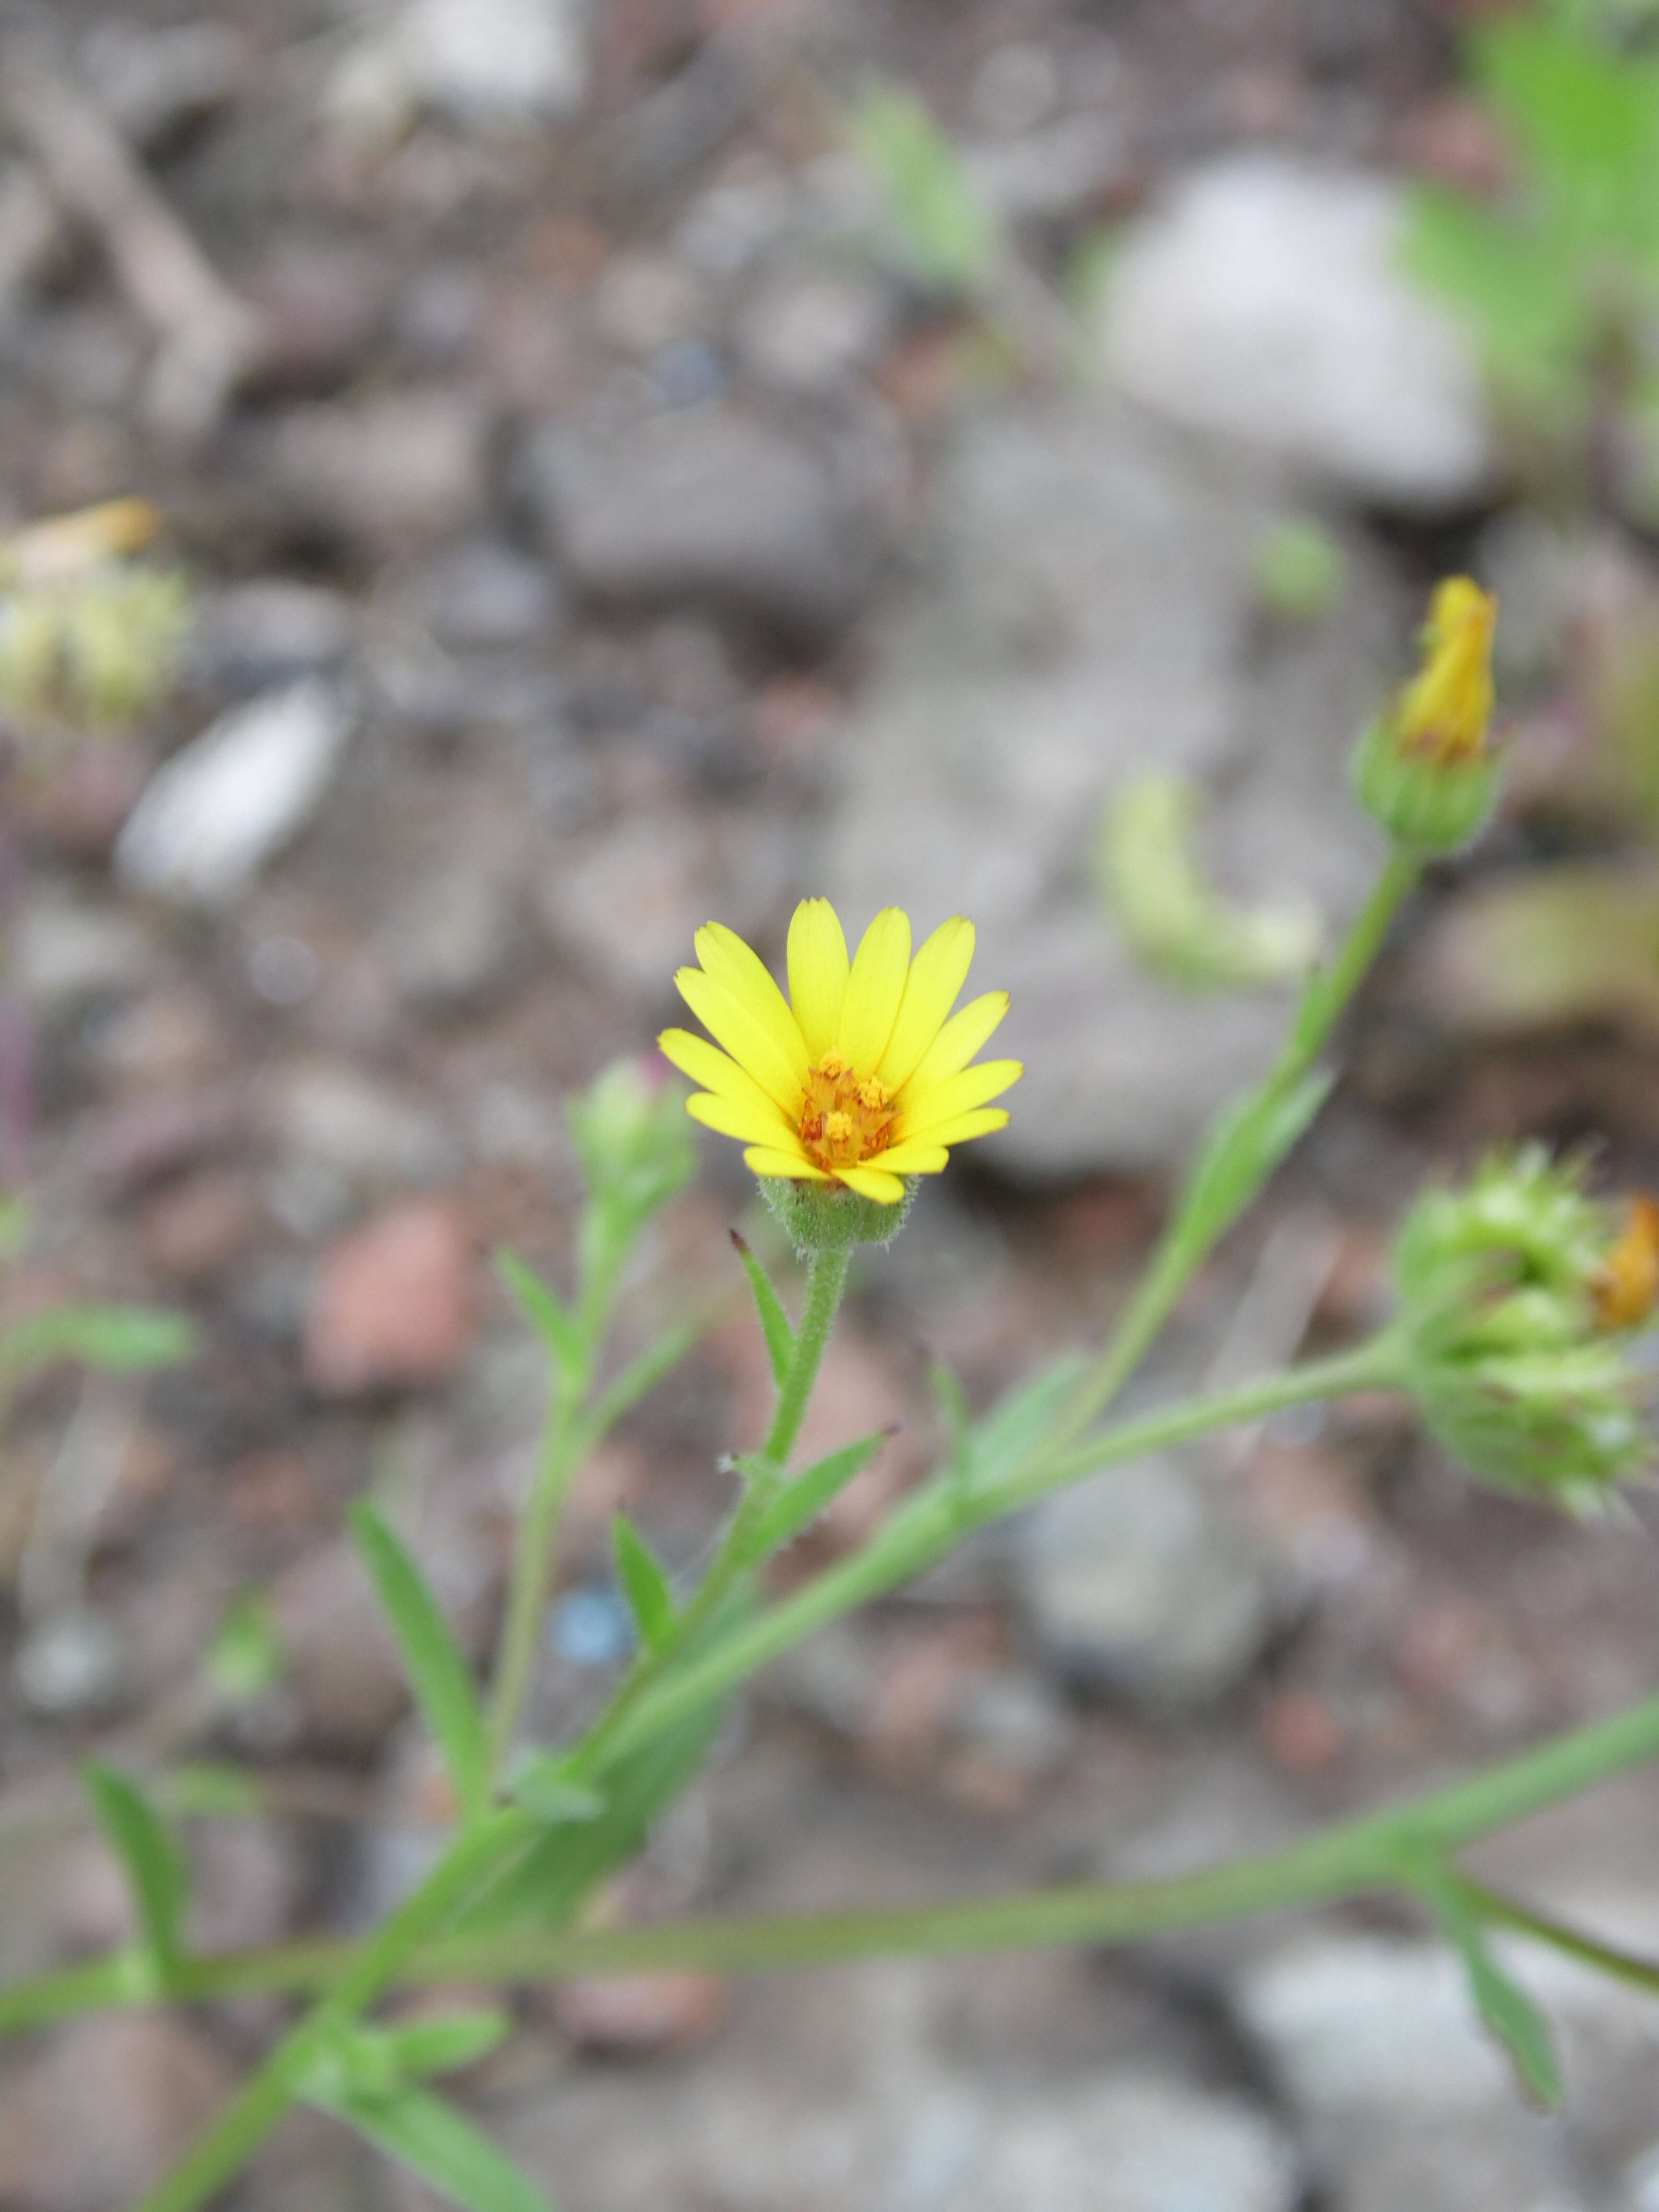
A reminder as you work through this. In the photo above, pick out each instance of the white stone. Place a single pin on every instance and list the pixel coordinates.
(218, 811)
(1264, 300)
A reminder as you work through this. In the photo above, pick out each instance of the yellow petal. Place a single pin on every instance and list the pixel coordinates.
(985, 1080)
(707, 1064)
(918, 1157)
(937, 974)
(979, 1123)
(956, 1043)
(761, 1160)
(874, 989)
(739, 968)
(817, 973)
(754, 1046)
(750, 1125)
(871, 1183)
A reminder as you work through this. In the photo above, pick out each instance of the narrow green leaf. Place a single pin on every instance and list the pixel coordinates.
(542, 1309)
(644, 1583)
(244, 1654)
(120, 1339)
(438, 1672)
(433, 2140)
(543, 1786)
(14, 1226)
(642, 1375)
(813, 1490)
(149, 1856)
(946, 1388)
(774, 1320)
(1507, 2012)
(448, 2040)
(1011, 1429)
(206, 1789)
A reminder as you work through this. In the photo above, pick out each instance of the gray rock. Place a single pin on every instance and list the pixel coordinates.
(74, 1663)
(484, 593)
(402, 467)
(1083, 616)
(451, 940)
(331, 1116)
(271, 632)
(68, 951)
(486, 63)
(1146, 1582)
(626, 900)
(857, 2103)
(807, 333)
(215, 814)
(714, 510)
(1405, 2098)
(1264, 301)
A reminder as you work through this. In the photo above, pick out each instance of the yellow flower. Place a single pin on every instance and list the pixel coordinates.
(861, 1076)
(1627, 1289)
(1444, 712)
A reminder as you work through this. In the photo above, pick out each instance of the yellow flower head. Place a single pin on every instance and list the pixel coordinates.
(1444, 712)
(860, 1076)
(1627, 1289)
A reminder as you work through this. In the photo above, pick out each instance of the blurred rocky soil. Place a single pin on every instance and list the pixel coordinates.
(603, 525)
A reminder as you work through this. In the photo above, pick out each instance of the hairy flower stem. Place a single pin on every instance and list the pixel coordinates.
(1370, 1853)
(1179, 1254)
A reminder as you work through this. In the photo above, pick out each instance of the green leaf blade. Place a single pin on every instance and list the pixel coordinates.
(1507, 2012)
(150, 1859)
(644, 1584)
(434, 2140)
(813, 1490)
(543, 1309)
(768, 1306)
(438, 1672)
(118, 1339)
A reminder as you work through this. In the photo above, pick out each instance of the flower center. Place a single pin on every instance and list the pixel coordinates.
(845, 1117)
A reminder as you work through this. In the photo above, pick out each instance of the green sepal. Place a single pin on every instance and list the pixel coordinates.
(827, 1217)
(1425, 805)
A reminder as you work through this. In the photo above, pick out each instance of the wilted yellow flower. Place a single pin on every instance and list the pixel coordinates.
(861, 1076)
(1444, 712)
(1627, 1289)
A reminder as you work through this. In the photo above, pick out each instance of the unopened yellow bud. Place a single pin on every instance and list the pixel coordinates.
(1445, 714)
(1425, 769)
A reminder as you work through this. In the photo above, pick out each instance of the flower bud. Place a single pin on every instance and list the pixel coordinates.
(1517, 1294)
(632, 1137)
(1425, 769)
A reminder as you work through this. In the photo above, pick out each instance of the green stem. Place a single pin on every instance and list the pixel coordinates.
(826, 1280)
(532, 1571)
(935, 1518)
(365, 1971)
(1356, 1857)
(1177, 1254)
